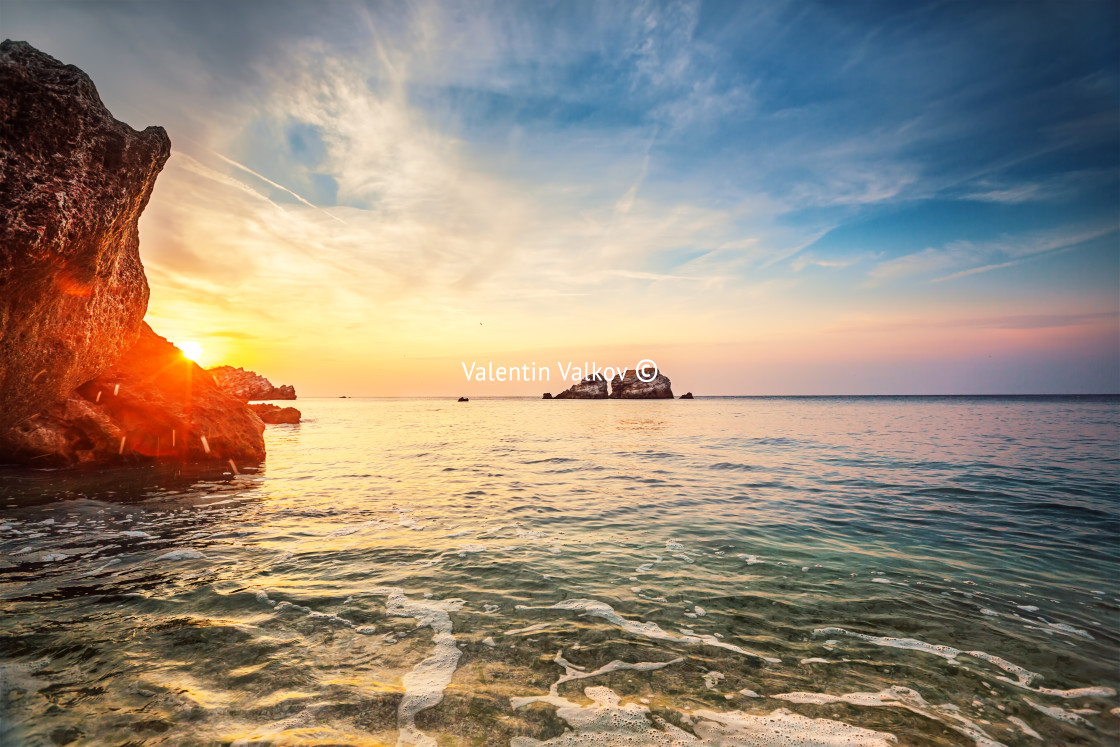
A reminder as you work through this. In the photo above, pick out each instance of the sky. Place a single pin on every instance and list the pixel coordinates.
(762, 197)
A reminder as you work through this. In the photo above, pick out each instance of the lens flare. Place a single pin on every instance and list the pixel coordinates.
(190, 349)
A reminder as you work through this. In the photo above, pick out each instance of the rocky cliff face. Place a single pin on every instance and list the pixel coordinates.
(151, 403)
(82, 379)
(248, 385)
(631, 387)
(593, 387)
(73, 182)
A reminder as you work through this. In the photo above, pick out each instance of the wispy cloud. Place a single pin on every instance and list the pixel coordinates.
(402, 172)
(1011, 249)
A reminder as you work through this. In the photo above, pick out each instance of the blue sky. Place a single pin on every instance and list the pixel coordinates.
(899, 197)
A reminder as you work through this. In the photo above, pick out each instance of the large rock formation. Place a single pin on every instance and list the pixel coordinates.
(81, 378)
(248, 385)
(593, 387)
(73, 181)
(632, 387)
(151, 403)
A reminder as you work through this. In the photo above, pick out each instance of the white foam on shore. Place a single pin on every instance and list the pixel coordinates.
(575, 672)
(1024, 727)
(1056, 712)
(595, 608)
(948, 653)
(902, 697)
(424, 685)
(606, 722)
(1070, 630)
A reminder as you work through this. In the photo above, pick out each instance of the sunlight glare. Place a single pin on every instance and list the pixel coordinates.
(191, 350)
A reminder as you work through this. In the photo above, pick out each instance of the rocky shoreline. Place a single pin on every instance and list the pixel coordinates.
(83, 380)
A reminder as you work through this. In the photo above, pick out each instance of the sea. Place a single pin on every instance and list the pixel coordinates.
(706, 573)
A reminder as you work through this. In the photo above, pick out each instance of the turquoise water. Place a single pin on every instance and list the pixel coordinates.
(933, 571)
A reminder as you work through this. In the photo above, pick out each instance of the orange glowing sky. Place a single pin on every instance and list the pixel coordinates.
(360, 199)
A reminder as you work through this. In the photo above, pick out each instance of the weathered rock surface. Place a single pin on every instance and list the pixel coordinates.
(593, 387)
(73, 182)
(631, 387)
(248, 385)
(152, 403)
(687, 395)
(276, 415)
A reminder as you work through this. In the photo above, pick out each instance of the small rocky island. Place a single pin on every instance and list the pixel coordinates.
(83, 380)
(249, 385)
(629, 386)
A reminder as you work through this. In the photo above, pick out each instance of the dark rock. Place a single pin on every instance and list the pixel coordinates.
(73, 182)
(593, 387)
(547, 395)
(248, 385)
(151, 404)
(687, 395)
(464, 399)
(275, 414)
(631, 387)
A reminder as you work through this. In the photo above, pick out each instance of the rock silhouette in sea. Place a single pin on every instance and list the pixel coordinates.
(547, 395)
(593, 387)
(687, 395)
(152, 403)
(464, 399)
(632, 387)
(73, 182)
(249, 385)
(275, 414)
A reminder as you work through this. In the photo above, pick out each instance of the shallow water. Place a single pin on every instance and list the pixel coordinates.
(837, 570)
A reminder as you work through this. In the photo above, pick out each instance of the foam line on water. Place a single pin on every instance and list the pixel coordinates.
(609, 723)
(948, 653)
(1023, 677)
(1024, 727)
(901, 697)
(574, 672)
(425, 684)
(595, 608)
(1056, 712)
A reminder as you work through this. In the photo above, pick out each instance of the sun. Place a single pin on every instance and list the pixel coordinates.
(191, 350)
